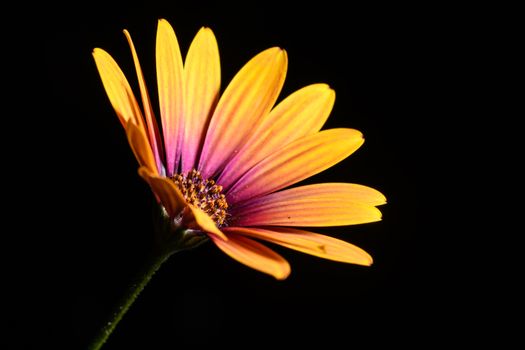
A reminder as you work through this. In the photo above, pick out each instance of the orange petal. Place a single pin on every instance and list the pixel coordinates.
(117, 88)
(336, 191)
(300, 114)
(307, 206)
(167, 192)
(153, 130)
(174, 202)
(307, 212)
(171, 92)
(141, 147)
(203, 222)
(295, 162)
(202, 78)
(254, 255)
(250, 95)
(308, 242)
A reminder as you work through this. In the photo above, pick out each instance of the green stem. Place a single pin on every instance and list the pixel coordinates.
(141, 280)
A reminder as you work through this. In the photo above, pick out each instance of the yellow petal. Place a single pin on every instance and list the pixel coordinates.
(306, 212)
(308, 242)
(336, 191)
(250, 95)
(141, 147)
(202, 78)
(117, 88)
(340, 194)
(168, 194)
(203, 222)
(254, 255)
(153, 130)
(171, 92)
(295, 162)
(300, 114)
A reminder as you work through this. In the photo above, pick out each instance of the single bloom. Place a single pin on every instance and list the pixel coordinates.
(221, 166)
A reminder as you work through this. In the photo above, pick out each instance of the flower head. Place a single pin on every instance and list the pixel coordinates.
(221, 167)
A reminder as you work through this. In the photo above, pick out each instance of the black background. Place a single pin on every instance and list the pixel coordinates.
(89, 223)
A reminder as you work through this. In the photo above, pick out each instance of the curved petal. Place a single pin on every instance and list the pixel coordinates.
(254, 255)
(117, 88)
(202, 79)
(174, 202)
(151, 122)
(200, 220)
(250, 95)
(308, 242)
(171, 93)
(141, 147)
(312, 205)
(168, 194)
(302, 113)
(295, 162)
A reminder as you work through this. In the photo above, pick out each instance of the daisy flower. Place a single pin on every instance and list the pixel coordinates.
(221, 166)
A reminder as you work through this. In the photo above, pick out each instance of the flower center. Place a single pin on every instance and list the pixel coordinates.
(204, 194)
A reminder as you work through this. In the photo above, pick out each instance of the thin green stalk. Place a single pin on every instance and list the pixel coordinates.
(141, 280)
